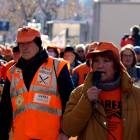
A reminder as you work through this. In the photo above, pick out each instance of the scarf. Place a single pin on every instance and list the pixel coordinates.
(33, 63)
(110, 86)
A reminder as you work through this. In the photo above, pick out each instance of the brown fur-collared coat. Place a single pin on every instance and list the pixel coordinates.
(79, 120)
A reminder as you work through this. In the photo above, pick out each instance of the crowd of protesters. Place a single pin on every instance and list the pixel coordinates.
(74, 55)
(77, 67)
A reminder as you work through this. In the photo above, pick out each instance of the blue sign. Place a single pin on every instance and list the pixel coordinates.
(4, 25)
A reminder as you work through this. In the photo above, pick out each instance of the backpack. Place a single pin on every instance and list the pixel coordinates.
(136, 42)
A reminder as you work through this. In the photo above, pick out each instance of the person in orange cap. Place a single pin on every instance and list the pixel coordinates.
(53, 50)
(36, 90)
(8, 54)
(80, 72)
(106, 106)
(16, 56)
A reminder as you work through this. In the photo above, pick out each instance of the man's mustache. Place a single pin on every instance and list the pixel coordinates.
(25, 51)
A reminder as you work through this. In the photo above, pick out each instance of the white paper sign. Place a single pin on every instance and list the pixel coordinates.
(40, 98)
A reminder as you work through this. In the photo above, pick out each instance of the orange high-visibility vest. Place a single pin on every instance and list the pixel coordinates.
(37, 112)
(68, 63)
(82, 70)
(7, 66)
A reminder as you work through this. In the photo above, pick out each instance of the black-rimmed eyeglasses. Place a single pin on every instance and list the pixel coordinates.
(126, 56)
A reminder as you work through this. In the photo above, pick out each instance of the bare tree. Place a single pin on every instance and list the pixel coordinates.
(71, 9)
(27, 8)
(50, 8)
(18, 11)
(9, 11)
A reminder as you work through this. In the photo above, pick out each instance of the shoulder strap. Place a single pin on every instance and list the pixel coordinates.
(55, 66)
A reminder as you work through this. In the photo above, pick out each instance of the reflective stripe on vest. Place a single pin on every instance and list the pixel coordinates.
(37, 107)
(19, 110)
(43, 89)
(33, 88)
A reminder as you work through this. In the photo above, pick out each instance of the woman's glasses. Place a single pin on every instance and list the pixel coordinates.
(126, 56)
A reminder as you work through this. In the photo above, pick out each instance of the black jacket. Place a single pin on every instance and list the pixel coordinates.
(77, 63)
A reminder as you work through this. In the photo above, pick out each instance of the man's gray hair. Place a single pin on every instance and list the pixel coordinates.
(80, 46)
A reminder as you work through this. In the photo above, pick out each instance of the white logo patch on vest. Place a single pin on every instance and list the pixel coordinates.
(17, 81)
(44, 76)
(21, 75)
(17, 70)
(40, 98)
(19, 101)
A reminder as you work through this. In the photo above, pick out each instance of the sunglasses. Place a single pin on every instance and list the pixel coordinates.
(80, 51)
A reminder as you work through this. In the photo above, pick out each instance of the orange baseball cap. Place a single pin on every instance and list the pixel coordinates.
(53, 46)
(26, 34)
(8, 52)
(92, 46)
(104, 46)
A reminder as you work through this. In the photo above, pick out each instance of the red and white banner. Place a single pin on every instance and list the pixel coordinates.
(60, 39)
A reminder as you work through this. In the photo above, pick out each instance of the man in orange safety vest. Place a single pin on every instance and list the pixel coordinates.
(36, 90)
